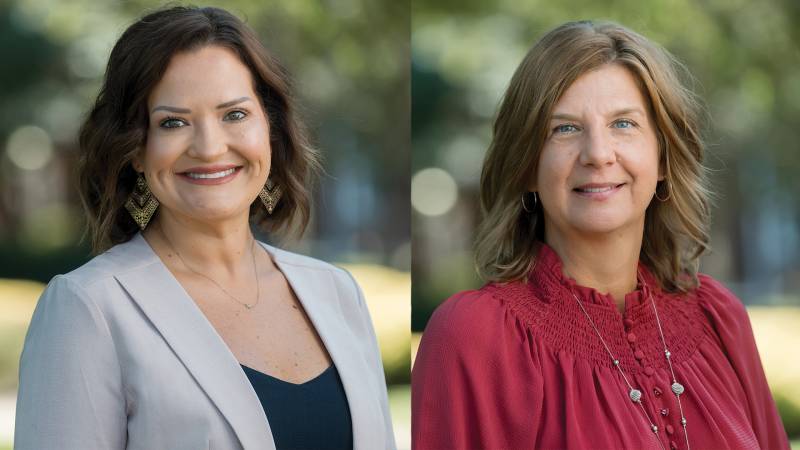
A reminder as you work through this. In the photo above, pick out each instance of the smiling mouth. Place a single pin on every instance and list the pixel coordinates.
(213, 175)
(597, 190)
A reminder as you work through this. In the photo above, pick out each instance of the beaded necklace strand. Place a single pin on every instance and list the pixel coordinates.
(635, 394)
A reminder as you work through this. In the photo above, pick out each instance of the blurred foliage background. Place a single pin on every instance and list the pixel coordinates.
(351, 67)
(746, 61)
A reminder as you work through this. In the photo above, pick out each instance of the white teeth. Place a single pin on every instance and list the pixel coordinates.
(596, 190)
(224, 173)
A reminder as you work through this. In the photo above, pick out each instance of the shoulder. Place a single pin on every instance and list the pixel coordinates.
(92, 286)
(712, 293)
(66, 310)
(117, 260)
(719, 302)
(285, 257)
(305, 266)
(474, 336)
(63, 287)
(468, 319)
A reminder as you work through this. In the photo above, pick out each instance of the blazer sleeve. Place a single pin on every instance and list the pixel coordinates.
(376, 364)
(70, 389)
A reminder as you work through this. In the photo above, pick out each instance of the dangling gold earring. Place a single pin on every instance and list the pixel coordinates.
(270, 194)
(141, 204)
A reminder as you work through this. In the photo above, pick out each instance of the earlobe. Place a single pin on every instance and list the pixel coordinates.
(136, 163)
(662, 172)
(663, 167)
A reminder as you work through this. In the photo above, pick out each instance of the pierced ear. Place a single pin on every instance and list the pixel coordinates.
(662, 171)
(136, 162)
(663, 157)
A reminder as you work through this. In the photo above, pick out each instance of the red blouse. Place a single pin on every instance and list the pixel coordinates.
(518, 366)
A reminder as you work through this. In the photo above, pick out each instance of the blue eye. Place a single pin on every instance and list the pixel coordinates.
(235, 116)
(624, 124)
(172, 122)
(565, 128)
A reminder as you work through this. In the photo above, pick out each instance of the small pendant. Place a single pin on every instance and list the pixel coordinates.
(677, 388)
(635, 395)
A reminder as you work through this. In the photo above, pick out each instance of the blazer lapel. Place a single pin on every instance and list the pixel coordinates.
(197, 344)
(318, 294)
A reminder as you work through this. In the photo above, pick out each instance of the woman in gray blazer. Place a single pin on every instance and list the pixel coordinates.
(186, 332)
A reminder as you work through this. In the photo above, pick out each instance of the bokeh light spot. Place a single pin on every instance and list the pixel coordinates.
(29, 148)
(433, 191)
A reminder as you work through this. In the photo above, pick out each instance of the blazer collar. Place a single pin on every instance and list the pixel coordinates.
(206, 356)
(320, 297)
(196, 343)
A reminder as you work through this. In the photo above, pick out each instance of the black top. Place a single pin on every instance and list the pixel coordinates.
(311, 415)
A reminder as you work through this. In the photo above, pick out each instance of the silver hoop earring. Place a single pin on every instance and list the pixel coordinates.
(535, 202)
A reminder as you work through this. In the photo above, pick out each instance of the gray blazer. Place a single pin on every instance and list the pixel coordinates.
(118, 356)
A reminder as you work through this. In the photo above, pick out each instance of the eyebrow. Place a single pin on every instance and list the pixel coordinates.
(617, 113)
(175, 109)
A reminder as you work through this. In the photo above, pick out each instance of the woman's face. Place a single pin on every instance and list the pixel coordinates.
(599, 166)
(207, 154)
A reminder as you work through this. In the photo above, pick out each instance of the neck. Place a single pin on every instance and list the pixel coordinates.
(208, 247)
(607, 263)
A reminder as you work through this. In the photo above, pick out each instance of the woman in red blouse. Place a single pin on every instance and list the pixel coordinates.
(595, 329)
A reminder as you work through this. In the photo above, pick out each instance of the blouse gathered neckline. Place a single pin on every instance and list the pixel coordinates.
(548, 270)
(545, 304)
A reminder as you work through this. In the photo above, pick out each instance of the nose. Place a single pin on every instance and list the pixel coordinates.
(598, 149)
(209, 142)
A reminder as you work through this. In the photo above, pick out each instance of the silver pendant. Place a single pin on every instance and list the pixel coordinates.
(635, 395)
(677, 388)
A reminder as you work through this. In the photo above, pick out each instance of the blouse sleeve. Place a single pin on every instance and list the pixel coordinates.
(70, 389)
(732, 324)
(474, 385)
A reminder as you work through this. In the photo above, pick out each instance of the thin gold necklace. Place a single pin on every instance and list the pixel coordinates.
(255, 270)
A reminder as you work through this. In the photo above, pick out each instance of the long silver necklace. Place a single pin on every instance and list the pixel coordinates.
(635, 394)
(255, 269)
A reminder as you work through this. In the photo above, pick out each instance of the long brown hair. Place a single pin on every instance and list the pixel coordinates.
(116, 127)
(676, 231)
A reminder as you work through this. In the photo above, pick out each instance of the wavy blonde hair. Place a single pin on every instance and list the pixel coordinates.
(675, 232)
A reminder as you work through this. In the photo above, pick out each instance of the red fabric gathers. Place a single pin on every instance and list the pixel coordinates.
(518, 366)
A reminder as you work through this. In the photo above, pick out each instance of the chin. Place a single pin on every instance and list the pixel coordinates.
(214, 211)
(599, 223)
